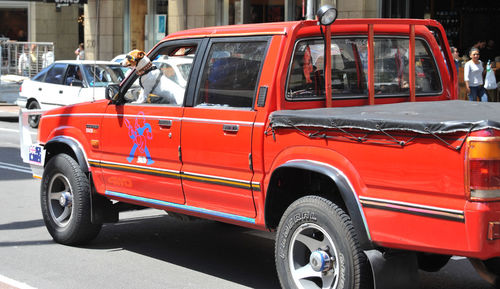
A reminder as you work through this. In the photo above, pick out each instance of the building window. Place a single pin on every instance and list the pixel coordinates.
(256, 11)
(395, 8)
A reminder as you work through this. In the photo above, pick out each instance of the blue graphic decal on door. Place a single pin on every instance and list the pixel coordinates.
(140, 133)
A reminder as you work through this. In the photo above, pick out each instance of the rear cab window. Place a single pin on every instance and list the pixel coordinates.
(349, 60)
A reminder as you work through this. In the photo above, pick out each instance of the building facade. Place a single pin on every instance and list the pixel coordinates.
(41, 22)
(112, 27)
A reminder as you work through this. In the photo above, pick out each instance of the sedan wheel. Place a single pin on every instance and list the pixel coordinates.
(34, 120)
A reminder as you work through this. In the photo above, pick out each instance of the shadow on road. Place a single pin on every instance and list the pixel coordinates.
(22, 225)
(9, 118)
(12, 166)
(236, 254)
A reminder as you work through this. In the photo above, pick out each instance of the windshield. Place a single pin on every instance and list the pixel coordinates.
(99, 75)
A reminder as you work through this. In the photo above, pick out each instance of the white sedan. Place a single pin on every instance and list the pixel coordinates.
(176, 68)
(68, 82)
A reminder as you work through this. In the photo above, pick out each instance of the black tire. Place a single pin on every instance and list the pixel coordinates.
(311, 229)
(34, 120)
(432, 262)
(65, 202)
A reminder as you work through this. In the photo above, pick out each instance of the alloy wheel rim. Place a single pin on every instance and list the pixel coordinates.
(313, 258)
(60, 199)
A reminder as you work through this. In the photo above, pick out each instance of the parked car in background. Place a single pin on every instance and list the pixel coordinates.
(68, 82)
(118, 58)
(176, 68)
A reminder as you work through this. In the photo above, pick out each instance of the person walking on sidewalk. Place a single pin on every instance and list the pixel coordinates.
(473, 77)
(80, 52)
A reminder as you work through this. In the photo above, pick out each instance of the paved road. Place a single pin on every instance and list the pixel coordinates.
(147, 249)
(9, 88)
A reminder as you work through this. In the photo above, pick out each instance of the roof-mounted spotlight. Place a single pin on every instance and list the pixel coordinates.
(326, 14)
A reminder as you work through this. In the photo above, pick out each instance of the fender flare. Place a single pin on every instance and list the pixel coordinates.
(75, 146)
(347, 192)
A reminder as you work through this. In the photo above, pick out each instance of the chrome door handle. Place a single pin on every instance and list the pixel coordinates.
(230, 128)
(165, 123)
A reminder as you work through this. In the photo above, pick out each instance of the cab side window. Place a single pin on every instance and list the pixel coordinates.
(392, 68)
(349, 60)
(166, 83)
(306, 77)
(230, 74)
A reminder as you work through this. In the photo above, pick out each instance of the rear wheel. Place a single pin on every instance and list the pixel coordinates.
(65, 202)
(34, 120)
(316, 247)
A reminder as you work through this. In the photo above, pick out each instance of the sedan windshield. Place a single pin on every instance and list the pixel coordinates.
(102, 74)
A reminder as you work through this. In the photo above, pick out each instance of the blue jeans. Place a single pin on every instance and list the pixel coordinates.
(478, 92)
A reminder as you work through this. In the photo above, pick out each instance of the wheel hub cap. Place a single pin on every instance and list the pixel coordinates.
(65, 200)
(320, 261)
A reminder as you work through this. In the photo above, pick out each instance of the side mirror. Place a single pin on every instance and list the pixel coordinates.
(113, 92)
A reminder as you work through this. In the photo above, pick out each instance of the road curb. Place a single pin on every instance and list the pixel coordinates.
(9, 112)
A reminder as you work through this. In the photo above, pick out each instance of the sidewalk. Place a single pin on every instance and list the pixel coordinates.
(9, 111)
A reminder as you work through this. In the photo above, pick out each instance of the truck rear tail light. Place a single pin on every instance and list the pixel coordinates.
(493, 231)
(483, 169)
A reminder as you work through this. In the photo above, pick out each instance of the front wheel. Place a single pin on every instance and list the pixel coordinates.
(316, 247)
(65, 202)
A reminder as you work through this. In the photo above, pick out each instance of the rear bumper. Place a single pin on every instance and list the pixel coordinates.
(22, 101)
(482, 221)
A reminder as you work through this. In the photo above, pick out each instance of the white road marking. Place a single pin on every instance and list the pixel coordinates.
(13, 283)
(9, 129)
(16, 168)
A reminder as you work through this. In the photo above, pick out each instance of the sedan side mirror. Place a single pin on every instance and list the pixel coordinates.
(113, 92)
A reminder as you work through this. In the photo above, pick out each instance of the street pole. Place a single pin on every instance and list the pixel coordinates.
(1, 61)
(310, 10)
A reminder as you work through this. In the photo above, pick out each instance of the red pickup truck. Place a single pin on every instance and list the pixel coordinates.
(363, 162)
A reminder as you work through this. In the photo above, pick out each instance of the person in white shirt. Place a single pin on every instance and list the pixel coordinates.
(80, 52)
(473, 77)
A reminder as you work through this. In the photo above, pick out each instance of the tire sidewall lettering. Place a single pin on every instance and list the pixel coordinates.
(317, 211)
(292, 223)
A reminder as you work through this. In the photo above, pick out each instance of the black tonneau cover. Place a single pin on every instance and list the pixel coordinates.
(430, 117)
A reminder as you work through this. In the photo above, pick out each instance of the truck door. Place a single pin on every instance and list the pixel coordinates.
(217, 129)
(140, 141)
